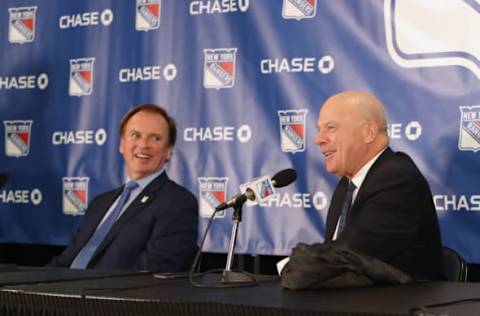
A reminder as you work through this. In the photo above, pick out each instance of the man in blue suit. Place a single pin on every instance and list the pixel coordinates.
(150, 223)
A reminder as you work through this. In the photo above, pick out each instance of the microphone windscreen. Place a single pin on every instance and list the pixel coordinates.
(3, 179)
(284, 178)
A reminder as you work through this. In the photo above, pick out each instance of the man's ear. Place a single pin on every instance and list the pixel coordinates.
(120, 147)
(370, 131)
(169, 153)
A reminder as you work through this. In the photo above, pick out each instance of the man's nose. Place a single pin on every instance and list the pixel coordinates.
(319, 138)
(143, 142)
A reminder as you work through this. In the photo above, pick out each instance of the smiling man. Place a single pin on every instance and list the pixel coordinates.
(150, 223)
(382, 205)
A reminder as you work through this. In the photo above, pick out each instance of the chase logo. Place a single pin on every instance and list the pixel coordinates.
(411, 131)
(24, 82)
(75, 195)
(80, 137)
(324, 64)
(219, 68)
(218, 6)
(461, 202)
(299, 9)
(147, 15)
(432, 33)
(86, 19)
(217, 133)
(21, 196)
(213, 191)
(17, 138)
(318, 200)
(21, 26)
(292, 130)
(147, 73)
(469, 134)
(81, 76)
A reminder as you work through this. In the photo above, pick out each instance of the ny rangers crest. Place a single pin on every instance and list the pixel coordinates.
(21, 26)
(17, 138)
(75, 195)
(147, 15)
(299, 9)
(292, 130)
(219, 68)
(469, 134)
(213, 191)
(81, 76)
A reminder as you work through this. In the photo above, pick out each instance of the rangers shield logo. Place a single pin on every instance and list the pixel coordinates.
(17, 138)
(147, 15)
(265, 189)
(81, 76)
(213, 191)
(292, 130)
(469, 134)
(21, 26)
(299, 9)
(219, 68)
(75, 195)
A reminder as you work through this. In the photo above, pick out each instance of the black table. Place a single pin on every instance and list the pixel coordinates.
(119, 293)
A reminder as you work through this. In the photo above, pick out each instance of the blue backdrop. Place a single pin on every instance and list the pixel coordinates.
(245, 80)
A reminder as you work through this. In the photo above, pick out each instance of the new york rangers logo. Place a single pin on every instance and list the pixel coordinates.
(21, 26)
(213, 191)
(469, 134)
(299, 9)
(219, 68)
(292, 130)
(148, 14)
(265, 189)
(75, 195)
(17, 138)
(81, 76)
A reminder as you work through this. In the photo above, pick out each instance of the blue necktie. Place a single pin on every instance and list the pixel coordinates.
(347, 202)
(83, 257)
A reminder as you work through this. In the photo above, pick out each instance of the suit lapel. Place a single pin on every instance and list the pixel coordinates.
(95, 215)
(362, 194)
(369, 182)
(335, 208)
(134, 209)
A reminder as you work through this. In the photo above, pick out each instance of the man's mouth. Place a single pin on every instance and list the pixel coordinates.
(142, 156)
(328, 154)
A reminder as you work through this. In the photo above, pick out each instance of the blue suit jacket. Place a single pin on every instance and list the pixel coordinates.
(393, 217)
(156, 234)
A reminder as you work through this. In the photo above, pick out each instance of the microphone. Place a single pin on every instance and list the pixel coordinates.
(279, 180)
(283, 178)
(238, 199)
(3, 179)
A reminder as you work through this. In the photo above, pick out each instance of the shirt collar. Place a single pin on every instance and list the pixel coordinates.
(143, 182)
(362, 173)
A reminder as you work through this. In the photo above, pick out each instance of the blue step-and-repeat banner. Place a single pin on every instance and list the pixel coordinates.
(245, 80)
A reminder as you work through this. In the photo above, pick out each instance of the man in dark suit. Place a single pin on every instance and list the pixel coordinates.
(390, 213)
(150, 223)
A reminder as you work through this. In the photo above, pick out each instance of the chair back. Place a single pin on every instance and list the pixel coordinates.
(454, 267)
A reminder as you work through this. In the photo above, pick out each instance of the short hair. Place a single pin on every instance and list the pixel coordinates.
(152, 108)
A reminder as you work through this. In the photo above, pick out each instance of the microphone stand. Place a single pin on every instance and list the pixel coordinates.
(228, 275)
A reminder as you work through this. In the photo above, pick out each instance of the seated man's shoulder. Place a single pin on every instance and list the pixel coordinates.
(181, 190)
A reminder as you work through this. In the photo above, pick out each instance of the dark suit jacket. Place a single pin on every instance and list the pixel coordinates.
(393, 217)
(159, 234)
